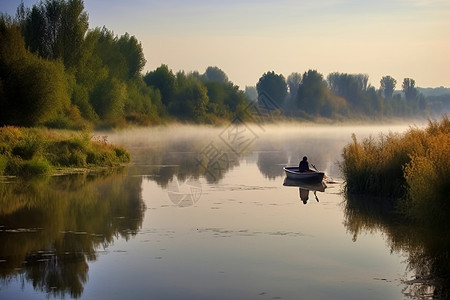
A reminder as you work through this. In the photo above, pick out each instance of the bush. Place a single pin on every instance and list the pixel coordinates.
(28, 152)
(3, 164)
(35, 167)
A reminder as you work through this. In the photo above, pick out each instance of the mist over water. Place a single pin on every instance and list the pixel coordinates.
(270, 144)
(205, 212)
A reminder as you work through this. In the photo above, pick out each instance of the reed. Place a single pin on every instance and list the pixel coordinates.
(397, 165)
(428, 177)
(374, 167)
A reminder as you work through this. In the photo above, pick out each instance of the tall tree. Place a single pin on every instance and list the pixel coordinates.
(165, 81)
(215, 74)
(409, 89)
(274, 86)
(312, 93)
(387, 86)
(351, 87)
(191, 101)
(133, 53)
(293, 81)
(55, 29)
(33, 90)
(251, 93)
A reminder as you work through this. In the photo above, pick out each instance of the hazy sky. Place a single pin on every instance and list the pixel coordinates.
(246, 38)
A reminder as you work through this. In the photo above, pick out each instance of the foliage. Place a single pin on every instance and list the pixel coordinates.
(34, 89)
(375, 167)
(274, 86)
(312, 93)
(414, 165)
(55, 29)
(190, 102)
(409, 89)
(387, 86)
(293, 82)
(56, 72)
(165, 81)
(427, 176)
(215, 74)
(27, 151)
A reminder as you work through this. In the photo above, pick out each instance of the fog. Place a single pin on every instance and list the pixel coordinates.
(270, 146)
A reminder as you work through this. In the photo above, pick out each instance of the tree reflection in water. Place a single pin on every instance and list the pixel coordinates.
(427, 248)
(52, 226)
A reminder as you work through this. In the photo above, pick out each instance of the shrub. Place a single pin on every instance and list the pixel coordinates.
(3, 164)
(28, 152)
(14, 166)
(122, 154)
(35, 167)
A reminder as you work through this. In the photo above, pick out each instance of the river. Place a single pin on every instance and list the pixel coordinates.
(201, 213)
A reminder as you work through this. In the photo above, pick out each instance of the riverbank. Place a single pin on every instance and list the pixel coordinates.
(41, 151)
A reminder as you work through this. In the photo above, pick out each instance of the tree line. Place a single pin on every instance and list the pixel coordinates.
(341, 95)
(56, 72)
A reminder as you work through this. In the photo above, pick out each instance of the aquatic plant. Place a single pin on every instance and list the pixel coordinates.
(427, 177)
(396, 165)
(375, 167)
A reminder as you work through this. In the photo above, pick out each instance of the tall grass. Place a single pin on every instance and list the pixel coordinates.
(374, 167)
(428, 177)
(414, 166)
(32, 151)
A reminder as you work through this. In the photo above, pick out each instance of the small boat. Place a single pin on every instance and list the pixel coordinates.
(312, 176)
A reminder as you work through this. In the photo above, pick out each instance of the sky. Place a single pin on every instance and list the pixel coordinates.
(247, 38)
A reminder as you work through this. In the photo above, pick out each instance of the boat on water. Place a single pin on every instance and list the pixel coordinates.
(312, 176)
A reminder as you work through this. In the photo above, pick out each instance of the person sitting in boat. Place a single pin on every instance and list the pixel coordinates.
(304, 165)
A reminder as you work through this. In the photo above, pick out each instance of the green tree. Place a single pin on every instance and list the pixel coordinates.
(165, 81)
(293, 81)
(143, 103)
(133, 53)
(215, 74)
(251, 93)
(55, 29)
(34, 90)
(108, 100)
(387, 86)
(409, 89)
(312, 93)
(217, 95)
(190, 101)
(274, 86)
(107, 50)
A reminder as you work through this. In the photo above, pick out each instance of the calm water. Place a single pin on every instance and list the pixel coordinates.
(200, 214)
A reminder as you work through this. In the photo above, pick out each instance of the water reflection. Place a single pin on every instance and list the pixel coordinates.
(427, 248)
(52, 226)
(180, 160)
(304, 188)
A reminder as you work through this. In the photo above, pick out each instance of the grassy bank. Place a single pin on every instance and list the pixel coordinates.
(36, 151)
(414, 166)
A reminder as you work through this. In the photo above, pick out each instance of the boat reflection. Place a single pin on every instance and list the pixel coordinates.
(305, 187)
